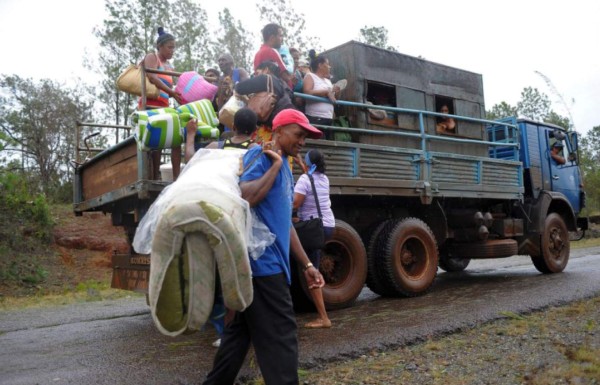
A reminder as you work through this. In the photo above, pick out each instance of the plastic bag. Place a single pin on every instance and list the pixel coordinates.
(210, 175)
(228, 111)
(260, 238)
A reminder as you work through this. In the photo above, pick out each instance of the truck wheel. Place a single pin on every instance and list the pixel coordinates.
(376, 248)
(344, 267)
(452, 265)
(411, 257)
(555, 248)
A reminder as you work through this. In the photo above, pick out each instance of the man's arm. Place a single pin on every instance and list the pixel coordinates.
(557, 158)
(191, 128)
(256, 190)
(314, 279)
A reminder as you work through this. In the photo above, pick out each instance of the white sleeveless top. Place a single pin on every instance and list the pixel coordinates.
(319, 109)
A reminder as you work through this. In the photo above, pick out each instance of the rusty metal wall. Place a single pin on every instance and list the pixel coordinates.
(417, 83)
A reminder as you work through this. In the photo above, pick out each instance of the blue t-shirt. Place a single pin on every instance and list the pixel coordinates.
(275, 210)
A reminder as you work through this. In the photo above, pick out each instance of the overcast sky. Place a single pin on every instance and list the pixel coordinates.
(506, 41)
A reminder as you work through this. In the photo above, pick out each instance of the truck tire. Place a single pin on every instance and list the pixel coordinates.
(555, 246)
(493, 248)
(453, 265)
(344, 267)
(376, 248)
(410, 258)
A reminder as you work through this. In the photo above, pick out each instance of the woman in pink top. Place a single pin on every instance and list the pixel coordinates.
(305, 203)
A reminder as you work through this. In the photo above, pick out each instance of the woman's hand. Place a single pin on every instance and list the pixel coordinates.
(331, 95)
(177, 96)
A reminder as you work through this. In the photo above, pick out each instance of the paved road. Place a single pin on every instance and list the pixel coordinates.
(115, 342)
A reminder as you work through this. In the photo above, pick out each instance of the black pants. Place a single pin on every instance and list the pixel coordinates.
(323, 121)
(269, 323)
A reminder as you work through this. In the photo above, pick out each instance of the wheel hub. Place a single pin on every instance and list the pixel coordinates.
(327, 265)
(556, 242)
(407, 257)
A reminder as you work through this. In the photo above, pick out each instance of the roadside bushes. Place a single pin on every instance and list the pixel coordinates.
(25, 230)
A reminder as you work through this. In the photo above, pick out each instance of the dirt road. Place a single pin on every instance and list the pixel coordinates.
(116, 342)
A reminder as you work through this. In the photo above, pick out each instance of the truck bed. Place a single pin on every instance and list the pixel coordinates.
(363, 169)
(115, 180)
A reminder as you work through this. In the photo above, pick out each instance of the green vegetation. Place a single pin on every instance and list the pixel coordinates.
(25, 231)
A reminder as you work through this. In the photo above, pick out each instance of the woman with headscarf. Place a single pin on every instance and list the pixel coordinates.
(165, 47)
(305, 203)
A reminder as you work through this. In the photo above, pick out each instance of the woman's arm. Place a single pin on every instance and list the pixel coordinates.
(298, 200)
(151, 61)
(309, 85)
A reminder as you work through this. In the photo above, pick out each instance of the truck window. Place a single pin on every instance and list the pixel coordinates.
(382, 95)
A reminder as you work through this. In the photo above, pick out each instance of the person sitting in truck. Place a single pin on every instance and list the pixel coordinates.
(556, 153)
(244, 125)
(445, 125)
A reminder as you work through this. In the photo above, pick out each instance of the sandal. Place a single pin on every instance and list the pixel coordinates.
(318, 324)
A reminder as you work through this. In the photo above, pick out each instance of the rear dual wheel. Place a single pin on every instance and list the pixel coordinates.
(403, 258)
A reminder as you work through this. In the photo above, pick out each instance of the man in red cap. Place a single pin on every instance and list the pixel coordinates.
(269, 322)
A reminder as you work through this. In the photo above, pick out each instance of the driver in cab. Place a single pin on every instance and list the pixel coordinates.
(556, 153)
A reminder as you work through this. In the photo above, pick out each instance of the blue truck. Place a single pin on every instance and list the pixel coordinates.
(407, 197)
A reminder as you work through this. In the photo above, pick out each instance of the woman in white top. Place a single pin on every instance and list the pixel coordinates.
(318, 83)
(305, 203)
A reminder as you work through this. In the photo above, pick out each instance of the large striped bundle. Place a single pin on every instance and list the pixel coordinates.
(192, 87)
(165, 127)
(156, 129)
(204, 130)
(203, 110)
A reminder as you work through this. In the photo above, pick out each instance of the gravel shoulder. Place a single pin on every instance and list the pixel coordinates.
(560, 345)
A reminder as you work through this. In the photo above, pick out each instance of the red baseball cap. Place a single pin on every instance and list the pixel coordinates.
(291, 116)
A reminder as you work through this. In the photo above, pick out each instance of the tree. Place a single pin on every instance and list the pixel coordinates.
(589, 151)
(534, 104)
(501, 110)
(193, 40)
(39, 119)
(130, 31)
(233, 38)
(377, 36)
(294, 26)
(557, 119)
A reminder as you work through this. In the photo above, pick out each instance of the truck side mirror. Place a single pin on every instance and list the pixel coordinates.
(572, 157)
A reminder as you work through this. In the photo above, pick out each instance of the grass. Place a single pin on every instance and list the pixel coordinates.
(586, 242)
(88, 291)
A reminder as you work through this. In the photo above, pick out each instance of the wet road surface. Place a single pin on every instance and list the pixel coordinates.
(115, 342)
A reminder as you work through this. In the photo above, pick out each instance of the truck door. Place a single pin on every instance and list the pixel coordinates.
(564, 177)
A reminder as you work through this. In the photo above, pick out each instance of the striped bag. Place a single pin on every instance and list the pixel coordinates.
(204, 130)
(157, 129)
(203, 110)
